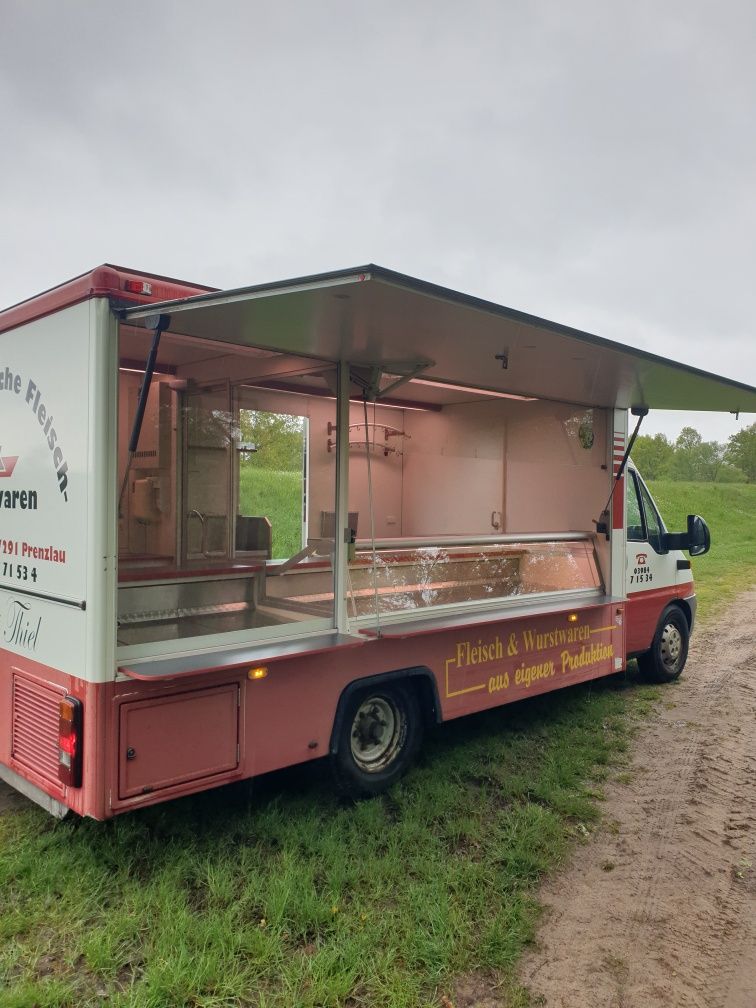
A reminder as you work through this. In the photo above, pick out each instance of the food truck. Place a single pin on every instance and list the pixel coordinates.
(246, 529)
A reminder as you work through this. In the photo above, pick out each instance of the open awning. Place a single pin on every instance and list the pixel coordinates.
(373, 316)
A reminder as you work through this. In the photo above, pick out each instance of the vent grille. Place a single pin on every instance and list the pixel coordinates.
(35, 727)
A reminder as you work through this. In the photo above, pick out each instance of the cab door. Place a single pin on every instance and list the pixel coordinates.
(650, 568)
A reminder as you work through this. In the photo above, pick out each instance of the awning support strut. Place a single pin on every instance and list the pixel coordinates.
(368, 378)
(158, 323)
(602, 524)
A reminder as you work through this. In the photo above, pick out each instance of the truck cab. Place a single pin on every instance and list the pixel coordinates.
(658, 579)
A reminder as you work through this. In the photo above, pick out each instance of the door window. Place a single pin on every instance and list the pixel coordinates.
(655, 529)
(636, 531)
(643, 521)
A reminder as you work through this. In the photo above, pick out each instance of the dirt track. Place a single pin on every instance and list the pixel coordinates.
(660, 909)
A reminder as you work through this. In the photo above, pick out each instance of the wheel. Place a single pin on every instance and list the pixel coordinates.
(380, 734)
(666, 659)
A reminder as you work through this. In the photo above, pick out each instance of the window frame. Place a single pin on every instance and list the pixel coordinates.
(644, 527)
(643, 495)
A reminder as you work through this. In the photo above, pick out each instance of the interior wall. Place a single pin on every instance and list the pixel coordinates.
(523, 461)
(554, 483)
(454, 470)
(387, 470)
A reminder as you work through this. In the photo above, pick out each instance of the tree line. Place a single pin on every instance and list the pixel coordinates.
(693, 459)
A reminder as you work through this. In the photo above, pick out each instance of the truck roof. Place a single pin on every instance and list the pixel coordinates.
(377, 317)
(102, 281)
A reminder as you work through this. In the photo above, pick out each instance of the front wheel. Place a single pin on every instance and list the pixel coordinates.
(381, 731)
(669, 650)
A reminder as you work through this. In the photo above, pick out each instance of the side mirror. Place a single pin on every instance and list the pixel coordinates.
(696, 540)
(699, 537)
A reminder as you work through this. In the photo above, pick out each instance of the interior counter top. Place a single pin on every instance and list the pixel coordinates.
(139, 573)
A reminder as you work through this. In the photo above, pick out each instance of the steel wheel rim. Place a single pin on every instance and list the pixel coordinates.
(376, 732)
(671, 646)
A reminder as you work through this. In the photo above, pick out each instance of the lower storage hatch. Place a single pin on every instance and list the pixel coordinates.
(176, 739)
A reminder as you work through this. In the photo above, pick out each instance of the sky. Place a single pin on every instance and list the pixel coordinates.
(593, 163)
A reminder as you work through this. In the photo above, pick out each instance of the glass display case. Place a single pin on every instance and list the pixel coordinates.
(404, 578)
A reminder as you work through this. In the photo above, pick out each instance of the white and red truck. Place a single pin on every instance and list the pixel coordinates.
(245, 529)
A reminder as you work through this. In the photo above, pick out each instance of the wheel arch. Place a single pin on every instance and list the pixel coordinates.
(687, 611)
(419, 677)
(659, 666)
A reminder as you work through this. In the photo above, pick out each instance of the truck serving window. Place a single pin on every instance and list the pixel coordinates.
(221, 528)
(474, 498)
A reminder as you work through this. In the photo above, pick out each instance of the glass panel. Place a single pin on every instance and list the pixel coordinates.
(653, 522)
(426, 576)
(635, 529)
(209, 437)
(223, 520)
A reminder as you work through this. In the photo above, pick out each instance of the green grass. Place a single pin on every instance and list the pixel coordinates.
(730, 510)
(278, 496)
(285, 897)
(297, 899)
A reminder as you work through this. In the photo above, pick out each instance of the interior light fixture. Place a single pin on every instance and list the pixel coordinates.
(475, 391)
(135, 370)
(309, 391)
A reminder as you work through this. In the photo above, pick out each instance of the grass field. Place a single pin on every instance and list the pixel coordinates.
(285, 897)
(730, 511)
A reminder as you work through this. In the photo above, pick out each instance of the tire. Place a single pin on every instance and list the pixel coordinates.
(380, 734)
(666, 658)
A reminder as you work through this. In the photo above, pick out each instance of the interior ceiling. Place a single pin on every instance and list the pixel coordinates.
(177, 352)
(371, 315)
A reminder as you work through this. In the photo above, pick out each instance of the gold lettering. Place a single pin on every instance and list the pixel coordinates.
(526, 675)
(468, 654)
(533, 641)
(593, 654)
(498, 682)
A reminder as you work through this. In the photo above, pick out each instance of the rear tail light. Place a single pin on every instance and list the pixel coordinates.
(138, 286)
(70, 742)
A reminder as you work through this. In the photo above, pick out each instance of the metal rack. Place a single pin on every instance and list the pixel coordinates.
(371, 443)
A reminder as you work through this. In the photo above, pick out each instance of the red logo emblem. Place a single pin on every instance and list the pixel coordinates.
(641, 558)
(7, 464)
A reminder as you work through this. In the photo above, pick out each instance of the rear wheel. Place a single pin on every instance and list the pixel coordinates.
(380, 734)
(669, 650)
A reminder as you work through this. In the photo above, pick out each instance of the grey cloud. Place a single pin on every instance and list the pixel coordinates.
(589, 162)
